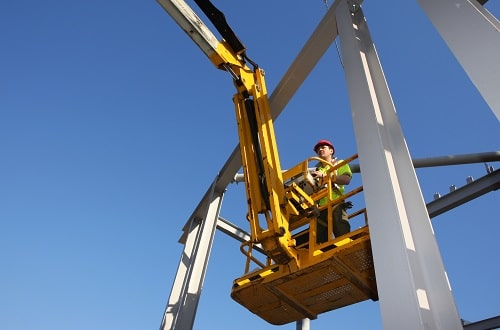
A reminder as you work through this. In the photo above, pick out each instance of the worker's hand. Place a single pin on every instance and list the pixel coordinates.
(318, 174)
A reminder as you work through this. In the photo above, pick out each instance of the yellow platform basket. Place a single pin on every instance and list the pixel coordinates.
(338, 276)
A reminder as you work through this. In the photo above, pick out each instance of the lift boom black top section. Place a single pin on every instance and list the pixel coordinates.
(219, 21)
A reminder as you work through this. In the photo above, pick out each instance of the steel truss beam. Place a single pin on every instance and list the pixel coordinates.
(464, 194)
(199, 233)
(488, 324)
(473, 35)
(412, 284)
(483, 157)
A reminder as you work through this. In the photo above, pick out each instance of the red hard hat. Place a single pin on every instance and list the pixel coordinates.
(324, 143)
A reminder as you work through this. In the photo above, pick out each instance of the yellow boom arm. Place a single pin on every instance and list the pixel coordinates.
(267, 203)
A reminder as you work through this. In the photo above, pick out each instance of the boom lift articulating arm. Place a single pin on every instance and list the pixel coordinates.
(263, 178)
(297, 280)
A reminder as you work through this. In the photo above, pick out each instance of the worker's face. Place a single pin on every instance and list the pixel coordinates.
(325, 152)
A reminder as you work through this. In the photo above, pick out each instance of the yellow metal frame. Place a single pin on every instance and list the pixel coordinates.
(339, 274)
(298, 212)
(272, 232)
(325, 276)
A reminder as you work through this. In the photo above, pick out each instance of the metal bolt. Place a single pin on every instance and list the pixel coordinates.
(489, 169)
(353, 6)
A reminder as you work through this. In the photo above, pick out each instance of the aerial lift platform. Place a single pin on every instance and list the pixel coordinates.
(326, 276)
(340, 276)
(295, 275)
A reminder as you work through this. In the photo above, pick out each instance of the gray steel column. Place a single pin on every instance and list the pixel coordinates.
(185, 295)
(473, 35)
(412, 283)
(303, 324)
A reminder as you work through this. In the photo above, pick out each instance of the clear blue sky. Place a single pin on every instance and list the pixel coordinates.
(113, 124)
